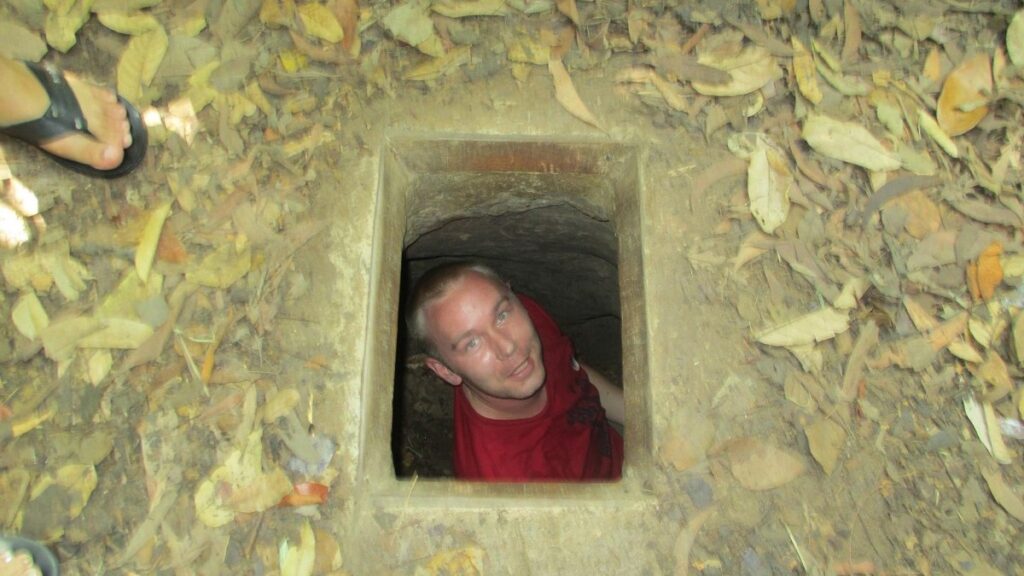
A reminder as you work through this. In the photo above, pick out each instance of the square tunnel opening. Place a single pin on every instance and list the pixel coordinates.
(558, 255)
(561, 220)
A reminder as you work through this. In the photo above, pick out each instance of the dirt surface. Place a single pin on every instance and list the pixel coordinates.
(848, 302)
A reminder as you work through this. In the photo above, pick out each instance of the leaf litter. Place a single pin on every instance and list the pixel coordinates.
(899, 338)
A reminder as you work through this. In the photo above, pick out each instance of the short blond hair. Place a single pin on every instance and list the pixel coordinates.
(433, 285)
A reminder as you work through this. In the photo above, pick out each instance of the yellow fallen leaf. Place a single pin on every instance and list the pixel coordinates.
(527, 50)
(750, 70)
(464, 8)
(139, 62)
(99, 366)
(118, 333)
(240, 485)
(22, 43)
(29, 316)
(63, 23)
(320, 22)
(463, 561)
(567, 96)
(965, 94)
(298, 560)
(936, 133)
(933, 65)
(437, 67)
(200, 93)
(410, 22)
(804, 70)
(849, 142)
(293, 61)
(813, 327)
(145, 251)
(222, 267)
(122, 301)
(768, 184)
(277, 13)
(133, 23)
(1015, 39)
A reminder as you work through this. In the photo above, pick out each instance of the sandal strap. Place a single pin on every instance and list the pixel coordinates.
(63, 116)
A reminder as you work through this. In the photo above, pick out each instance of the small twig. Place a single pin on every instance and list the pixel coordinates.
(796, 547)
(252, 537)
(692, 42)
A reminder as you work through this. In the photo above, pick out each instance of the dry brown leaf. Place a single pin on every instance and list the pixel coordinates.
(754, 245)
(347, 13)
(919, 315)
(923, 217)
(985, 273)
(849, 142)
(965, 95)
(567, 96)
(948, 331)
(758, 465)
(866, 341)
(813, 327)
(774, 9)
(568, 8)
(768, 185)
(438, 67)
(750, 70)
(684, 541)
(852, 37)
(825, 439)
(993, 371)
(1003, 494)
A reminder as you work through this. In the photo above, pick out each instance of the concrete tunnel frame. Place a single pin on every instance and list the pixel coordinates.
(421, 181)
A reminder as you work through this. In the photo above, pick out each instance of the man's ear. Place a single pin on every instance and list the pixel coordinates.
(441, 370)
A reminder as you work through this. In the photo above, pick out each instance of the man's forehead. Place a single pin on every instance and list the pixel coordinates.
(472, 289)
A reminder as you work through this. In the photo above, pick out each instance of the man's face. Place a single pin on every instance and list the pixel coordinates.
(486, 341)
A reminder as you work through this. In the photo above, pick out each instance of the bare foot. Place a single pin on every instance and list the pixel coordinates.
(18, 564)
(24, 99)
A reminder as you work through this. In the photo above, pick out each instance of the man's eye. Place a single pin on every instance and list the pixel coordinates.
(472, 344)
(502, 316)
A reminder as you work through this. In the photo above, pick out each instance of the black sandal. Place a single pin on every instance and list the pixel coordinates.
(65, 116)
(41, 555)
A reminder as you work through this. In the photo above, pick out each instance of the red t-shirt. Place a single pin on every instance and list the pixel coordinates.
(569, 440)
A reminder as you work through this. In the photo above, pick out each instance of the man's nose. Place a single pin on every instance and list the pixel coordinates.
(505, 343)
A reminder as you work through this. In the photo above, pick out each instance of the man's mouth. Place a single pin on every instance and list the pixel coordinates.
(522, 370)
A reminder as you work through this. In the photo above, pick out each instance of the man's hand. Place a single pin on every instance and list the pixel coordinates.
(611, 396)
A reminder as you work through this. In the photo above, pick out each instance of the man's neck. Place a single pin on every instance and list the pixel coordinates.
(506, 408)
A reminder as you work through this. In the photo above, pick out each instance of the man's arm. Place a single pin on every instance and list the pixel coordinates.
(611, 396)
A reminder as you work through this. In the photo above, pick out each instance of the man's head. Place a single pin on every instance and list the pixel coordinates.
(478, 335)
